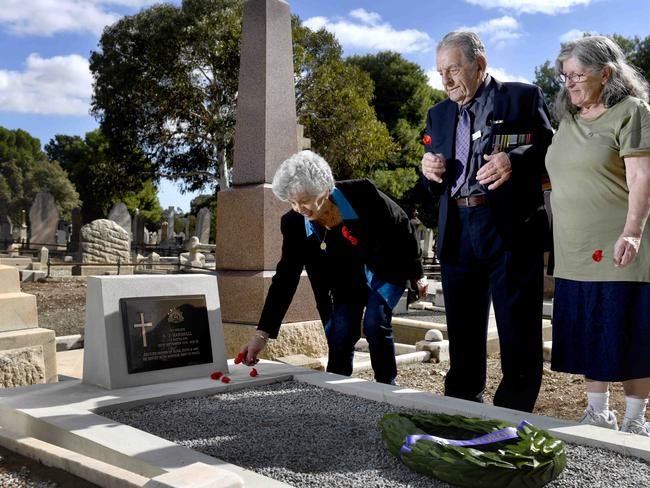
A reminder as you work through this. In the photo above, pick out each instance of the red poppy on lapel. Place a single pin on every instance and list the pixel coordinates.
(426, 139)
(597, 255)
(346, 233)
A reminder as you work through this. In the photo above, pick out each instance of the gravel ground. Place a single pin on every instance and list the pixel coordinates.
(21, 472)
(311, 437)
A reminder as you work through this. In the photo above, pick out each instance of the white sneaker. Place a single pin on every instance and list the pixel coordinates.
(606, 420)
(636, 426)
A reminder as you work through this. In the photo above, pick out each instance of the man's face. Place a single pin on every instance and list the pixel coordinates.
(460, 78)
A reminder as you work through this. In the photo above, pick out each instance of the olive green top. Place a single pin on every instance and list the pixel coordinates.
(589, 196)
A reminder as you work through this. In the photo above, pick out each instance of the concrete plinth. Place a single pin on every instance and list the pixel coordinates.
(306, 338)
(249, 235)
(29, 349)
(242, 295)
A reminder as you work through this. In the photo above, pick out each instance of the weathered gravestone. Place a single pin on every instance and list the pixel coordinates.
(138, 229)
(121, 216)
(203, 225)
(43, 220)
(27, 352)
(6, 229)
(152, 329)
(103, 242)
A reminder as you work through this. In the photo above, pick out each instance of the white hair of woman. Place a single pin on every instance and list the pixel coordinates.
(303, 173)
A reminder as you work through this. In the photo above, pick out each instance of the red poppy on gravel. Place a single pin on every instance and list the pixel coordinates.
(426, 139)
(597, 255)
(216, 375)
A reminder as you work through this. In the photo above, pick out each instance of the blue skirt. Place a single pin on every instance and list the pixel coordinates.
(601, 329)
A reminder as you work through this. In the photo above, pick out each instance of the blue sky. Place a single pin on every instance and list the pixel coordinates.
(45, 84)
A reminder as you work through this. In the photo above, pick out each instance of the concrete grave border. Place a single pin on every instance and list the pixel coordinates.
(61, 424)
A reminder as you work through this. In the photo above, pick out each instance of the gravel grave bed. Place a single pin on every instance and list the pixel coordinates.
(311, 437)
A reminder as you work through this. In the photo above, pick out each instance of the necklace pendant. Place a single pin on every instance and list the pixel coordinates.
(323, 245)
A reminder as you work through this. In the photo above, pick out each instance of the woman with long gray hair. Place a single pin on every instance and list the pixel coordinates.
(359, 250)
(599, 165)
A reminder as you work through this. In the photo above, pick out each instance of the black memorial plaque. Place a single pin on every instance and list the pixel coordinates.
(165, 332)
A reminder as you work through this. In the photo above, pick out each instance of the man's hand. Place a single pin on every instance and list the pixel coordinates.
(433, 166)
(496, 172)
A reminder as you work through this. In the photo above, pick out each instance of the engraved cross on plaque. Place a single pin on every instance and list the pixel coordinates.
(142, 326)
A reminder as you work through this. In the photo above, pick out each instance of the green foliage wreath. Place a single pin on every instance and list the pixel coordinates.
(533, 459)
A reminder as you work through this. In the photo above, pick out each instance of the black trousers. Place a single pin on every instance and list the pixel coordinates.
(482, 268)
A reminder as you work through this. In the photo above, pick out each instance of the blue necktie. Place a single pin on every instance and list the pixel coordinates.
(463, 130)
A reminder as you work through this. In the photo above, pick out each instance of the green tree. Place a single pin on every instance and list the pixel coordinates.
(402, 96)
(25, 170)
(97, 171)
(166, 81)
(147, 203)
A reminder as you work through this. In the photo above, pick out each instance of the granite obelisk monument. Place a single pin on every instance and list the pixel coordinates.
(248, 241)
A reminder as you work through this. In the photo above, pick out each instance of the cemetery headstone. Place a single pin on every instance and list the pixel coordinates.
(121, 216)
(43, 220)
(103, 242)
(203, 225)
(75, 233)
(171, 218)
(145, 329)
(6, 229)
(138, 229)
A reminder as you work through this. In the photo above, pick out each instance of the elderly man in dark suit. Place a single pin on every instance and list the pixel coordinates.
(485, 148)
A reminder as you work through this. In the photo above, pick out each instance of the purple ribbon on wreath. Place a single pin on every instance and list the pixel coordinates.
(496, 436)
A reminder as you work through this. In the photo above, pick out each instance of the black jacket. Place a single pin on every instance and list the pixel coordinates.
(387, 246)
(517, 205)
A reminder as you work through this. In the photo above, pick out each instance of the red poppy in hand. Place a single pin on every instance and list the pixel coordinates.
(216, 375)
(346, 233)
(426, 139)
(240, 357)
(597, 255)
(225, 379)
(253, 373)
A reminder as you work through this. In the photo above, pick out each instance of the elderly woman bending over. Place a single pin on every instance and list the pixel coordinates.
(359, 250)
(599, 164)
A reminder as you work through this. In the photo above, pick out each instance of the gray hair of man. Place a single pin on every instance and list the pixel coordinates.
(468, 42)
(596, 53)
(303, 173)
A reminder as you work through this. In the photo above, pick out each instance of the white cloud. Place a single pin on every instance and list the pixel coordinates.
(435, 80)
(365, 30)
(48, 17)
(498, 31)
(549, 7)
(572, 35)
(59, 85)
(502, 75)
(371, 18)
